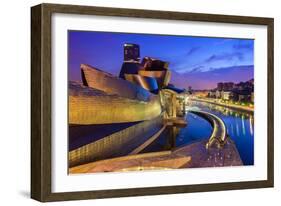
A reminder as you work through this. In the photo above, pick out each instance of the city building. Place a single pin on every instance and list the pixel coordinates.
(227, 95)
(131, 52)
(225, 86)
(218, 94)
(240, 92)
(220, 86)
(212, 94)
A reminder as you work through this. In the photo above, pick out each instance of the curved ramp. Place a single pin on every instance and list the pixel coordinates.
(219, 134)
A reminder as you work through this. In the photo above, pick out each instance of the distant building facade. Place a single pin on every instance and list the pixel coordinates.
(227, 95)
(212, 94)
(252, 97)
(241, 92)
(225, 86)
(218, 94)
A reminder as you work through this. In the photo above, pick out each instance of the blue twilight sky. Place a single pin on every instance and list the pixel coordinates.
(192, 59)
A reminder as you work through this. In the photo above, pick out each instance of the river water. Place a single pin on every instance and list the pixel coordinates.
(240, 128)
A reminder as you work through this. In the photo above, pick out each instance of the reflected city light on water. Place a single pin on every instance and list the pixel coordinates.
(243, 126)
(240, 127)
(251, 125)
(237, 128)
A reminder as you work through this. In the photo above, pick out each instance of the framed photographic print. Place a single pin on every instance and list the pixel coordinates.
(132, 102)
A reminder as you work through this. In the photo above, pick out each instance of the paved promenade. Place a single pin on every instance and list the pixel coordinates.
(191, 156)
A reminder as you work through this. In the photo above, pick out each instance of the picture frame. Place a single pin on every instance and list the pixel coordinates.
(41, 101)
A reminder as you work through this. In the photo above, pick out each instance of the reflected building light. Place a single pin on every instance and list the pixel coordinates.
(237, 128)
(232, 128)
(251, 125)
(243, 126)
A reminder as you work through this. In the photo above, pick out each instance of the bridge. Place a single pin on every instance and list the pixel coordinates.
(219, 135)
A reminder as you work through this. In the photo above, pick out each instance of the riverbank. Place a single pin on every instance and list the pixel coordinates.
(228, 105)
(194, 155)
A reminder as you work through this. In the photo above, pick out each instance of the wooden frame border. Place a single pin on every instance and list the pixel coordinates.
(41, 101)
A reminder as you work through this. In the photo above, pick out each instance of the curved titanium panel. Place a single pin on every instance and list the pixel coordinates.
(110, 84)
(162, 77)
(92, 106)
(148, 83)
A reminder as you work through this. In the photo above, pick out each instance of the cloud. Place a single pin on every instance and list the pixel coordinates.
(210, 78)
(196, 69)
(240, 46)
(204, 65)
(192, 51)
(225, 56)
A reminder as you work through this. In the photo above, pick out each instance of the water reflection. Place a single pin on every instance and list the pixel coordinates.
(166, 141)
(251, 125)
(197, 129)
(240, 127)
(243, 122)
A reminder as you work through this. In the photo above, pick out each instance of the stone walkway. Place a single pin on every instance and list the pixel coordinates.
(211, 157)
(191, 156)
